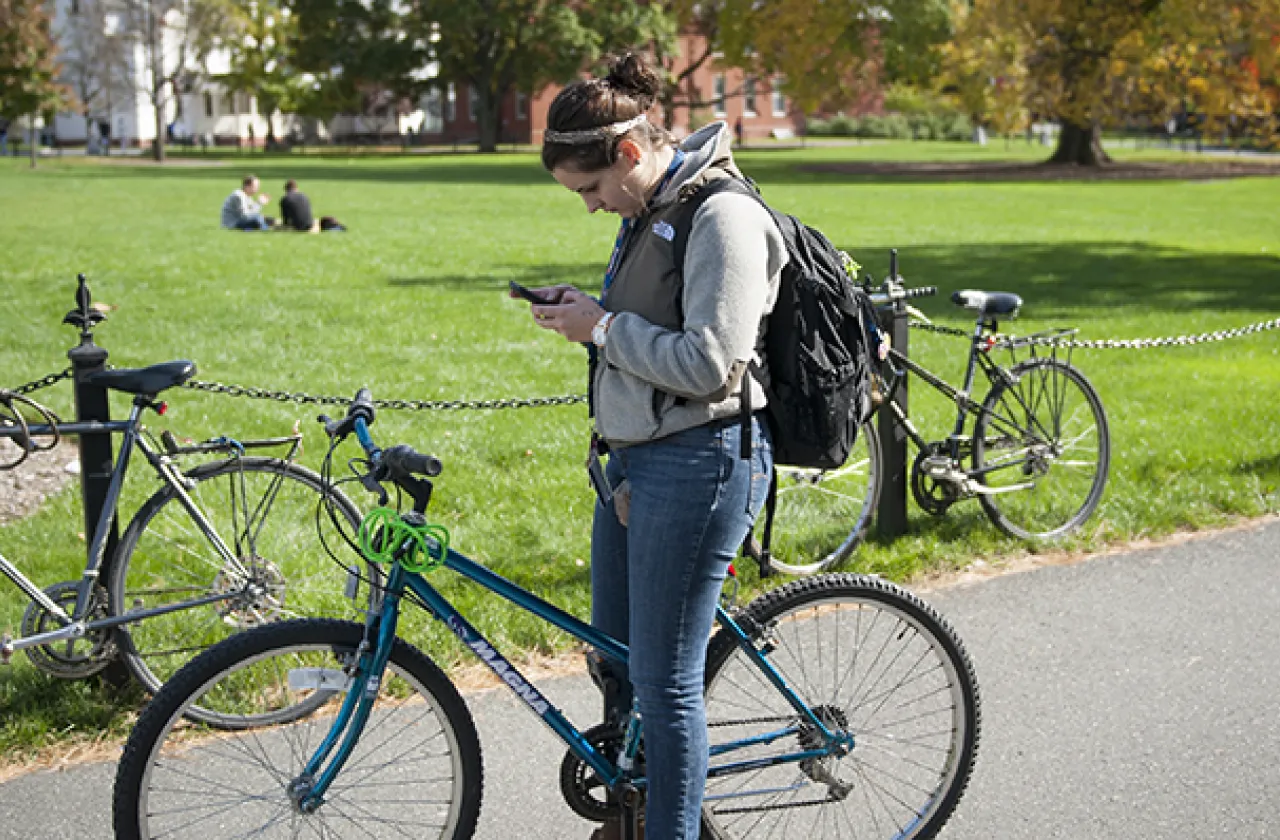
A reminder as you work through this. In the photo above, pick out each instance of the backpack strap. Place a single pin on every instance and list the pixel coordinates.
(690, 206)
(683, 228)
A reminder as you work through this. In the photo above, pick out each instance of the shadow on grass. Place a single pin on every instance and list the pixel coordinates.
(1055, 279)
(586, 276)
(519, 169)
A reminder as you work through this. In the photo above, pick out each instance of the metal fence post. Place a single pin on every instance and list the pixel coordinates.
(891, 512)
(96, 457)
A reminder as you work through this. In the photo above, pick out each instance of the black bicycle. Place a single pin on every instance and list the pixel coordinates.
(221, 546)
(1036, 459)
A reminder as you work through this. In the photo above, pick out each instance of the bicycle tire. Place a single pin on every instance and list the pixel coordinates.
(822, 515)
(1025, 417)
(163, 558)
(839, 641)
(225, 783)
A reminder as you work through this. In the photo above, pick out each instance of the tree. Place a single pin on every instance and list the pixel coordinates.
(501, 46)
(826, 52)
(1090, 63)
(260, 41)
(95, 66)
(175, 37)
(28, 67)
(366, 57)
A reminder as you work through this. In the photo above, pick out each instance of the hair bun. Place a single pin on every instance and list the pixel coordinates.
(629, 74)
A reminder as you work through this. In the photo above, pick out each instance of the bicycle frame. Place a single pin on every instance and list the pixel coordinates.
(74, 626)
(333, 752)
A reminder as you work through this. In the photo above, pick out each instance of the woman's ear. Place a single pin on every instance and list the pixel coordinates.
(631, 151)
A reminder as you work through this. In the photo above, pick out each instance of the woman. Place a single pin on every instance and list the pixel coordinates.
(670, 364)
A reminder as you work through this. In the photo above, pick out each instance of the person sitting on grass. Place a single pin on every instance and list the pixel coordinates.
(242, 211)
(295, 212)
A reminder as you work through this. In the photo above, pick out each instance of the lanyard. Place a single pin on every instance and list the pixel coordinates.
(625, 228)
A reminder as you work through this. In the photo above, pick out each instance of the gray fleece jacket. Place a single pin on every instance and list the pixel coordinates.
(677, 352)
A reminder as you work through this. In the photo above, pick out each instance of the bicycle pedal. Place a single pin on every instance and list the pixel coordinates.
(6, 649)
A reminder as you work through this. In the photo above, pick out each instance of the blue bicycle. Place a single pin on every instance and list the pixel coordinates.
(839, 706)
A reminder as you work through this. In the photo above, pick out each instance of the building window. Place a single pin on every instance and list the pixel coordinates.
(779, 101)
(75, 7)
(208, 104)
(718, 102)
(522, 106)
(252, 104)
(473, 103)
(231, 104)
(749, 98)
(451, 103)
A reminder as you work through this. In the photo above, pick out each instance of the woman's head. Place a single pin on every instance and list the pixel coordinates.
(599, 142)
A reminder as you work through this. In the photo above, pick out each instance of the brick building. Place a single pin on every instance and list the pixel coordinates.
(758, 104)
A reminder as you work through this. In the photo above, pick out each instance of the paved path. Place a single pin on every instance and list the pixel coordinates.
(1136, 695)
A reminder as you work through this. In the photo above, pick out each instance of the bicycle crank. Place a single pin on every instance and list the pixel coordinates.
(936, 482)
(77, 657)
(583, 790)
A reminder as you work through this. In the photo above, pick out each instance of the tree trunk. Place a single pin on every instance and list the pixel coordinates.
(490, 119)
(34, 138)
(157, 148)
(1080, 145)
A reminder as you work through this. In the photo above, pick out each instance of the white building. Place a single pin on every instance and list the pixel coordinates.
(105, 62)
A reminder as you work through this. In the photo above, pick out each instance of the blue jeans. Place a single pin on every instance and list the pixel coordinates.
(655, 585)
(253, 223)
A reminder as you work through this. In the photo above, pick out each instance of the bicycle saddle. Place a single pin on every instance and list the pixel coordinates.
(988, 303)
(148, 380)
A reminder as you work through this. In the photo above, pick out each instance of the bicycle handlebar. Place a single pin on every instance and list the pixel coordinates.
(399, 462)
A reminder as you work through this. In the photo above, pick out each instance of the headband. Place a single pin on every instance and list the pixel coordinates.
(591, 135)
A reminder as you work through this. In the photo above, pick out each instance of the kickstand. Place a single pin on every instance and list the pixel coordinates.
(632, 813)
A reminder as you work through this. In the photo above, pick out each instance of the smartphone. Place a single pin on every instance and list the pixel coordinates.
(528, 295)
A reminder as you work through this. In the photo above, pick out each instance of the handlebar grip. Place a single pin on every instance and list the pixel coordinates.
(362, 406)
(922, 291)
(405, 460)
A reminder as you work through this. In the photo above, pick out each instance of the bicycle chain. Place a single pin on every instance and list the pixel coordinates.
(1006, 341)
(402, 405)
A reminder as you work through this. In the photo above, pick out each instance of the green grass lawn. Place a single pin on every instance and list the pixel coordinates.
(412, 304)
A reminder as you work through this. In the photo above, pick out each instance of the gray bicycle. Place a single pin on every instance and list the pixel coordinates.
(222, 546)
(1035, 451)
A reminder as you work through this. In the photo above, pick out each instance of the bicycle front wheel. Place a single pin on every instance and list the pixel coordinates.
(1042, 450)
(415, 771)
(264, 512)
(872, 662)
(822, 515)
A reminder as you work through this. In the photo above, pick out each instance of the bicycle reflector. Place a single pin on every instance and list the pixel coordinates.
(162, 408)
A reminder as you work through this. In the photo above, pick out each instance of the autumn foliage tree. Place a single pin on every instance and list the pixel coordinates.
(1090, 63)
(28, 67)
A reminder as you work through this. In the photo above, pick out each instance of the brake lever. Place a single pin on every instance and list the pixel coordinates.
(372, 482)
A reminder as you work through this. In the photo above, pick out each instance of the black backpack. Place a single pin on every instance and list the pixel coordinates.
(821, 338)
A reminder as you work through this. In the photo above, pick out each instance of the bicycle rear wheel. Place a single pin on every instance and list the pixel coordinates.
(1042, 446)
(416, 770)
(870, 660)
(264, 510)
(822, 515)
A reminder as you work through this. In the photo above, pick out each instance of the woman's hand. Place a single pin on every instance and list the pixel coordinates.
(573, 317)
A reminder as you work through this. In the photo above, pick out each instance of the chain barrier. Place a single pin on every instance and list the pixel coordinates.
(43, 382)
(1004, 341)
(394, 405)
(1007, 341)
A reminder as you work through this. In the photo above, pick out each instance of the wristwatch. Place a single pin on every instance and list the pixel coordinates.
(600, 332)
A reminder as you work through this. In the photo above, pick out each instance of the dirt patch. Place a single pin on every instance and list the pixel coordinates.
(24, 488)
(1005, 171)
